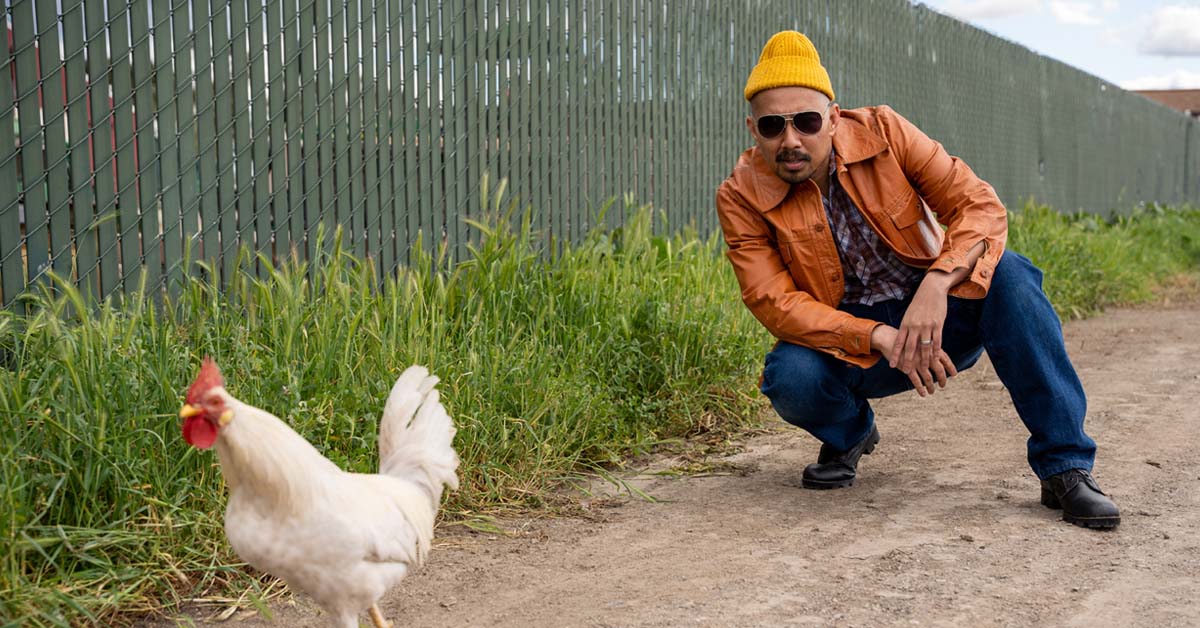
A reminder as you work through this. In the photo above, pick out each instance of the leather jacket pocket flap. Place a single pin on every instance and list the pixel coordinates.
(906, 209)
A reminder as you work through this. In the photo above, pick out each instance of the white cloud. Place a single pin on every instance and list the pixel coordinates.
(1075, 13)
(1110, 5)
(1173, 31)
(968, 10)
(1115, 36)
(1178, 79)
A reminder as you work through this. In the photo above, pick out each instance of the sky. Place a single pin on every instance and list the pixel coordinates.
(1136, 44)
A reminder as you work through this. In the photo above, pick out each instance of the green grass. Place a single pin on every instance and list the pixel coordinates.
(549, 363)
(1091, 262)
(553, 360)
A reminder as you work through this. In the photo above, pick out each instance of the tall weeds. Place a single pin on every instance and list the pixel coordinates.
(553, 358)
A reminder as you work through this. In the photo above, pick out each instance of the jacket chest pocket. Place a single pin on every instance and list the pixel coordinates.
(795, 244)
(799, 249)
(908, 216)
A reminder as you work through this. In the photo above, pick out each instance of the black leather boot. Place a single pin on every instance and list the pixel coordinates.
(836, 469)
(1081, 500)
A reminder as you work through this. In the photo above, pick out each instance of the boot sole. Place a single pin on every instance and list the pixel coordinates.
(821, 485)
(1051, 502)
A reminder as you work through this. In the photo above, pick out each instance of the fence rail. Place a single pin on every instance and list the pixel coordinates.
(134, 133)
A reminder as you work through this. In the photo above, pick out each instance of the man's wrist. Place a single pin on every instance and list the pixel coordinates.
(939, 279)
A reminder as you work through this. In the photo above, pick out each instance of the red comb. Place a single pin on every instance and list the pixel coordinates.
(209, 377)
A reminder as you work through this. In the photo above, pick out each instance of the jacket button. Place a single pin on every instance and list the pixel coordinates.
(818, 228)
(985, 273)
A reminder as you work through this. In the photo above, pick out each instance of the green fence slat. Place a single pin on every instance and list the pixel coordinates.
(241, 212)
(260, 135)
(149, 185)
(613, 158)
(372, 242)
(86, 251)
(524, 171)
(168, 143)
(550, 101)
(325, 124)
(354, 181)
(340, 122)
(567, 115)
(224, 44)
(385, 93)
(310, 123)
(492, 105)
(276, 161)
(475, 133)
(206, 134)
(536, 36)
(425, 86)
(448, 102)
(53, 118)
(12, 270)
(185, 99)
(396, 203)
(28, 82)
(128, 221)
(293, 45)
(505, 91)
(410, 101)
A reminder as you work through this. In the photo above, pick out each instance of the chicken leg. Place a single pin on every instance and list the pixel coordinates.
(377, 618)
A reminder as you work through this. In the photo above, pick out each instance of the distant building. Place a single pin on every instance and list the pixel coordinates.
(1185, 100)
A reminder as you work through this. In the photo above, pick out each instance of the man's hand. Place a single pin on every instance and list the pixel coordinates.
(919, 339)
(916, 348)
(883, 339)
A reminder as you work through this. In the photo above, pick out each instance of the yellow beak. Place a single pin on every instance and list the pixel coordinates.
(188, 410)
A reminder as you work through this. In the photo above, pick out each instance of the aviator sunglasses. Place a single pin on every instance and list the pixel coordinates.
(806, 122)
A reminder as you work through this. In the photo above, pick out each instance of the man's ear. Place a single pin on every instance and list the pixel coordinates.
(835, 118)
(750, 126)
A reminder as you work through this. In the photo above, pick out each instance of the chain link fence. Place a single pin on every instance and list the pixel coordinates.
(137, 134)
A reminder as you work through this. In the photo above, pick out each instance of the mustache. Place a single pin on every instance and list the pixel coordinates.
(792, 155)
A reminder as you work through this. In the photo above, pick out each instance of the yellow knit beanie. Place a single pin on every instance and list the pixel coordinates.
(789, 59)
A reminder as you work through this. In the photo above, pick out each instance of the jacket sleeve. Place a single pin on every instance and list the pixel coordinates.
(790, 314)
(964, 203)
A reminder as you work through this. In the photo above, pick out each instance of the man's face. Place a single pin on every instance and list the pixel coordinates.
(792, 155)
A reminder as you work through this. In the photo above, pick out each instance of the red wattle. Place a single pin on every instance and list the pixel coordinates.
(199, 432)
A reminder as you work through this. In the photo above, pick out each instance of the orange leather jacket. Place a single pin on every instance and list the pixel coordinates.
(784, 255)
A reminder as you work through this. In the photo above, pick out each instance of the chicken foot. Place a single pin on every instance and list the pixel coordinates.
(377, 618)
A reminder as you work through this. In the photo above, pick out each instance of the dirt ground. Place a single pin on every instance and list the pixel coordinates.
(943, 528)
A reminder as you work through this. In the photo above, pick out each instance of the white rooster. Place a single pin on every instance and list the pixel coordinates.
(343, 538)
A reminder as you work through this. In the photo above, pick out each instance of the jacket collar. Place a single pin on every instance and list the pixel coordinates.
(852, 143)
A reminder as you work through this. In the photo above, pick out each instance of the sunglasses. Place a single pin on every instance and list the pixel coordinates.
(806, 122)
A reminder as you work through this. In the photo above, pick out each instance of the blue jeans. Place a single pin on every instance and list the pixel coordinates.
(1017, 326)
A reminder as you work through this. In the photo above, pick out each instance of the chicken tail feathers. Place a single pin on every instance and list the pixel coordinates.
(416, 434)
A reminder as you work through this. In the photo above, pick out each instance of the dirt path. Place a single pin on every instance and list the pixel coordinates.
(943, 529)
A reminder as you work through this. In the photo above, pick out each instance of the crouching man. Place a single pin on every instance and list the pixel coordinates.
(828, 223)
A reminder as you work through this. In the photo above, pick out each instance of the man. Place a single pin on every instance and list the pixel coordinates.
(830, 233)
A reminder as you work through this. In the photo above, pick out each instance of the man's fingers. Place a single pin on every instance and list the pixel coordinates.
(951, 370)
(916, 382)
(910, 350)
(897, 351)
(927, 379)
(939, 371)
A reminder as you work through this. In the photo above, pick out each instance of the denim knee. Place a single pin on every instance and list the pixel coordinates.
(1015, 278)
(805, 388)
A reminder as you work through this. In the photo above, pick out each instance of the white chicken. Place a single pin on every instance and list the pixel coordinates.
(343, 538)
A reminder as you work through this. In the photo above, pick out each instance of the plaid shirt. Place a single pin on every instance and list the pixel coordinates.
(872, 272)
